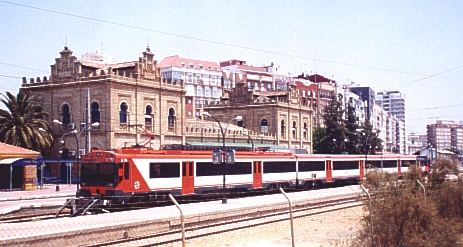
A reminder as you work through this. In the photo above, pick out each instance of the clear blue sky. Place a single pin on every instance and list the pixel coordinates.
(412, 46)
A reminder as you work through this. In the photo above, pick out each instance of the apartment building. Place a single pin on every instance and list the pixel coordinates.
(445, 134)
(201, 79)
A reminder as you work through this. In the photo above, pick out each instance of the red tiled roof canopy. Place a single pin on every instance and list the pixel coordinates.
(7, 150)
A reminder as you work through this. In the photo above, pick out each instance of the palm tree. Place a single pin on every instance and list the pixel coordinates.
(22, 123)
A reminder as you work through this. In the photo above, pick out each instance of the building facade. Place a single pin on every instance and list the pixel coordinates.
(101, 104)
(445, 135)
(202, 81)
(279, 113)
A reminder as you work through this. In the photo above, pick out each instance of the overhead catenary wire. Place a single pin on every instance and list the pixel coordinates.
(223, 43)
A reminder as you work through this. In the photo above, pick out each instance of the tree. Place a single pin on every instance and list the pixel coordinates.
(335, 131)
(22, 123)
(352, 135)
(318, 135)
(369, 139)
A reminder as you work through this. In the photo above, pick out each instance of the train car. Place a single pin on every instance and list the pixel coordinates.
(130, 175)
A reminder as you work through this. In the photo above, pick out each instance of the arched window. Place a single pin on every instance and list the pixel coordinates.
(123, 113)
(264, 126)
(171, 119)
(38, 113)
(148, 119)
(66, 114)
(95, 113)
(283, 128)
(240, 123)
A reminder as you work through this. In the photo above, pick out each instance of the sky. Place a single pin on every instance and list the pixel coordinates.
(415, 47)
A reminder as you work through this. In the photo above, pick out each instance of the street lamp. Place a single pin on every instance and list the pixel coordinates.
(249, 138)
(345, 140)
(366, 143)
(224, 132)
(76, 135)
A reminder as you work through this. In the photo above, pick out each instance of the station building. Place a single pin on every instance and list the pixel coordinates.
(96, 103)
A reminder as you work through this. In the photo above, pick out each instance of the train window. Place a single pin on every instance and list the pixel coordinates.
(408, 163)
(126, 170)
(345, 165)
(99, 174)
(305, 166)
(164, 170)
(279, 166)
(239, 168)
(373, 164)
(389, 163)
(208, 169)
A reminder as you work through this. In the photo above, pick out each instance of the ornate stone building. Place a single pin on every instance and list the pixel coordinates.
(128, 100)
(279, 114)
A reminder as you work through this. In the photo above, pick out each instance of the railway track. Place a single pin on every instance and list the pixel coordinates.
(20, 219)
(241, 221)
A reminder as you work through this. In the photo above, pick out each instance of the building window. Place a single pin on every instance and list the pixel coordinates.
(66, 114)
(190, 78)
(294, 129)
(213, 82)
(264, 126)
(148, 118)
(38, 113)
(171, 119)
(123, 113)
(283, 128)
(305, 130)
(95, 113)
(199, 91)
(240, 123)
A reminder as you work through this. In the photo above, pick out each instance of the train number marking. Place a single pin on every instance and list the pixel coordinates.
(136, 185)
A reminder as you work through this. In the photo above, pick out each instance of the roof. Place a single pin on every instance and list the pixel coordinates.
(98, 65)
(10, 150)
(176, 61)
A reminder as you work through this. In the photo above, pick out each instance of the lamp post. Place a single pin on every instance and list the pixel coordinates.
(76, 135)
(249, 138)
(366, 143)
(224, 132)
(345, 140)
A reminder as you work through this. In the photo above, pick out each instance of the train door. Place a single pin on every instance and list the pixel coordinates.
(257, 175)
(188, 178)
(399, 168)
(329, 172)
(362, 169)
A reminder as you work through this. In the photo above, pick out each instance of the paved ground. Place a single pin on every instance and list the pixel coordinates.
(328, 229)
(48, 194)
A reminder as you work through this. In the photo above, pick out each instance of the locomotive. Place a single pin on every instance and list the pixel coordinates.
(124, 176)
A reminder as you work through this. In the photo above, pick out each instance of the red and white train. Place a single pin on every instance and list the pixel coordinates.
(121, 175)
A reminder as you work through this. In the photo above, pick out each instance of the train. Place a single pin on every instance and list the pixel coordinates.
(129, 175)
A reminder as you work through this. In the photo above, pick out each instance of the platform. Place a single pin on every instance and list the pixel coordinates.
(105, 227)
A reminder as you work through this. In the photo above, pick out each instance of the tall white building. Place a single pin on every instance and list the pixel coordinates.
(393, 102)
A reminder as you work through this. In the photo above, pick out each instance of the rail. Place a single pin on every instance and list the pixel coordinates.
(245, 218)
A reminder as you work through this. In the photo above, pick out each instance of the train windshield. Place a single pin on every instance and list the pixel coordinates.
(99, 174)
